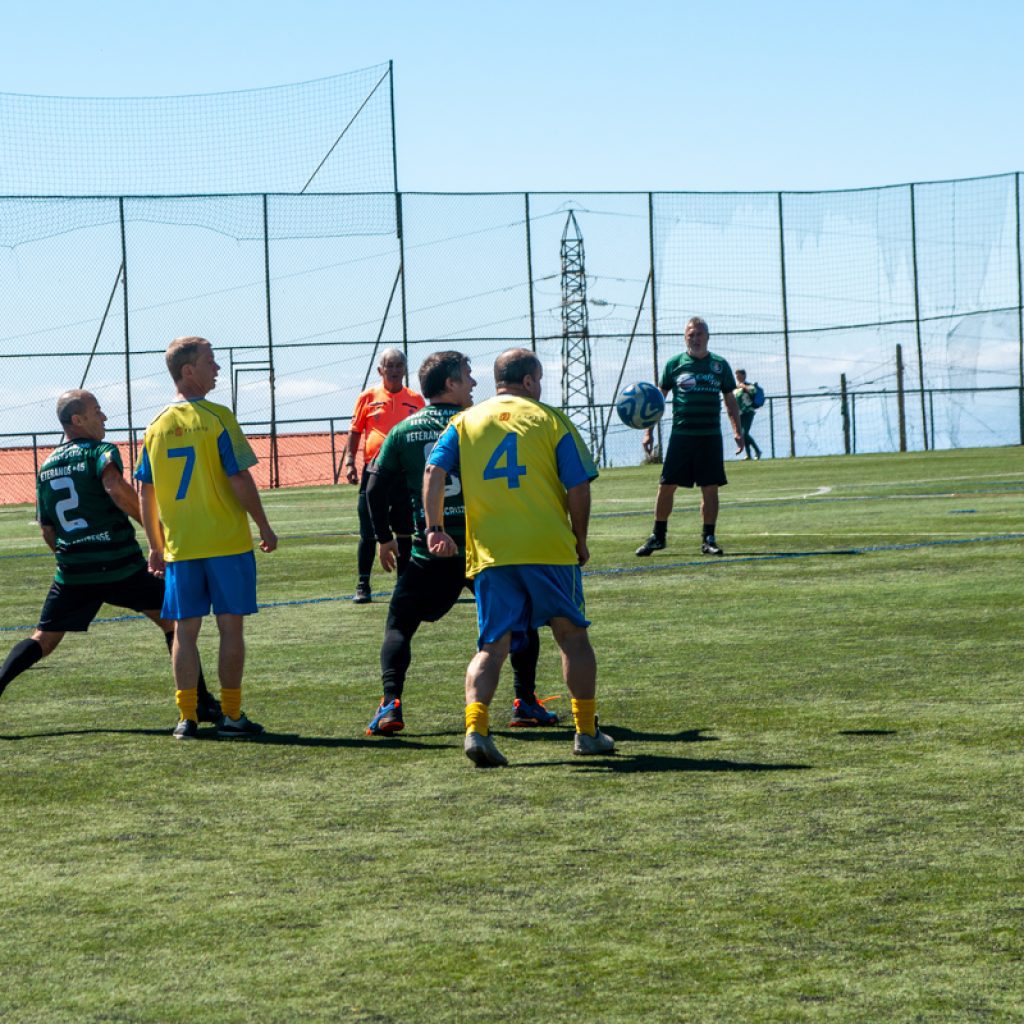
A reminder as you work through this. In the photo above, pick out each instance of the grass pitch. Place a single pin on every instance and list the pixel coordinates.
(814, 815)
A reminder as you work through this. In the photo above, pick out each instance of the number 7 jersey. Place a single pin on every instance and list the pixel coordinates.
(516, 458)
(189, 451)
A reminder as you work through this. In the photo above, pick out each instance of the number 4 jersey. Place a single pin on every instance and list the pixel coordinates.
(95, 539)
(189, 451)
(516, 458)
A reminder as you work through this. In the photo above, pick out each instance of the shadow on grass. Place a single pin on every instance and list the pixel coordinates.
(867, 732)
(619, 764)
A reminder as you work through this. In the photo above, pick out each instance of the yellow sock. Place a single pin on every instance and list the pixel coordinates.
(477, 718)
(231, 702)
(186, 701)
(583, 715)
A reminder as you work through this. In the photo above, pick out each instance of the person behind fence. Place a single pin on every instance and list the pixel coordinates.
(85, 512)
(377, 410)
(525, 476)
(196, 494)
(744, 394)
(431, 585)
(696, 379)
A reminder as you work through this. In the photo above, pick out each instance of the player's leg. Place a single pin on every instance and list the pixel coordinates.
(579, 665)
(68, 608)
(207, 706)
(482, 677)
(25, 653)
(675, 473)
(185, 667)
(366, 549)
(527, 708)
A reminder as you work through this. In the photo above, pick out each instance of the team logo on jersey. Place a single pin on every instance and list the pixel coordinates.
(686, 381)
(716, 367)
(505, 417)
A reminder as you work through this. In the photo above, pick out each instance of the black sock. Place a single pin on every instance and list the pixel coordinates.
(23, 655)
(395, 656)
(524, 668)
(660, 528)
(709, 530)
(201, 690)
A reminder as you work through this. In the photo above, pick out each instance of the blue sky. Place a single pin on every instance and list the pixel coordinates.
(570, 95)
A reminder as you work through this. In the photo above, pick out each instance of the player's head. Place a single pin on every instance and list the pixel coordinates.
(191, 365)
(80, 415)
(392, 367)
(446, 376)
(696, 335)
(741, 376)
(518, 371)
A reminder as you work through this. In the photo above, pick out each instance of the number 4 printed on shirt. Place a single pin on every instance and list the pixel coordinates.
(511, 471)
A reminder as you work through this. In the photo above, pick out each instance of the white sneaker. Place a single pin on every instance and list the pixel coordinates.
(482, 751)
(599, 743)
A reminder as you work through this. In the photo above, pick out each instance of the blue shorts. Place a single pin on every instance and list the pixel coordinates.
(228, 582)
(515, 598)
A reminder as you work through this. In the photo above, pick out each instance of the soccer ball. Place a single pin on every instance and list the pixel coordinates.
(640, 405)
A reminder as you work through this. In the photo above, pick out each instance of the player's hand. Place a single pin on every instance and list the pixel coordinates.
(268, 540)
(351, 474)
(388, 555)
(740, 443)
(156, 564)
(441, 545)
(582, 552)
(648, 441)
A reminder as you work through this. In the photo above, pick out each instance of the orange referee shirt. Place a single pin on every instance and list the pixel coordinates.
(378, 410)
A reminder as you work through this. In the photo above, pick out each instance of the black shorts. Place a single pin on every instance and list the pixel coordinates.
(427, 591)
(694, 460)
(71, 607)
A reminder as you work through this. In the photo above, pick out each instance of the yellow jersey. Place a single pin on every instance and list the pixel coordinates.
(516, 458)
(188, 453)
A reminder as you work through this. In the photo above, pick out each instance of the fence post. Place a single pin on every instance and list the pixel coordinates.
(275, 468)
(401, 270)
(845, 410)
(771, 423)
(654, 303)
(785, 332)
(127, 343)
(853, 422)
(35, 471)
(917, 319)
(1020, 314)
(529, 274)
(901, 410)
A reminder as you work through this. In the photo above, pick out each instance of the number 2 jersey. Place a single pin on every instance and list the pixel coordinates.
(95, 539)
(516, 458)
(189, 451)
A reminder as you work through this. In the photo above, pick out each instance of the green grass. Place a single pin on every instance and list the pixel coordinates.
(815, 813)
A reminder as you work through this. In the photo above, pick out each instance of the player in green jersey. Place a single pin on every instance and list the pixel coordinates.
(429, 587)
(84, 509)
(696, 379)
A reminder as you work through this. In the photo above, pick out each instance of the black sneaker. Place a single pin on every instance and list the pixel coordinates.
(710, 547)
(186, 729)
(208, 710)
(240, 726)
(653, 543)
(362, 594)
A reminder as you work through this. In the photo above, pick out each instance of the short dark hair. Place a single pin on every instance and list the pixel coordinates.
(70, 404)
(439, 368)
(515, 364)
(183, 352)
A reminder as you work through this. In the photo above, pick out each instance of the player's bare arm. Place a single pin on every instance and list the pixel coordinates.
(438, 542)
(578, 499)
(120, 492)
(154, 529)
(732, 408)
(351, 447)
(248, 497)
(50, 537)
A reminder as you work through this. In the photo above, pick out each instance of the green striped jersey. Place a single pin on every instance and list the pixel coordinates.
(697, 385)
(95, 539)
(404, 454)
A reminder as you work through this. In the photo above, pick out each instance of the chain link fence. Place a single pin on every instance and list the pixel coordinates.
(811, 293)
